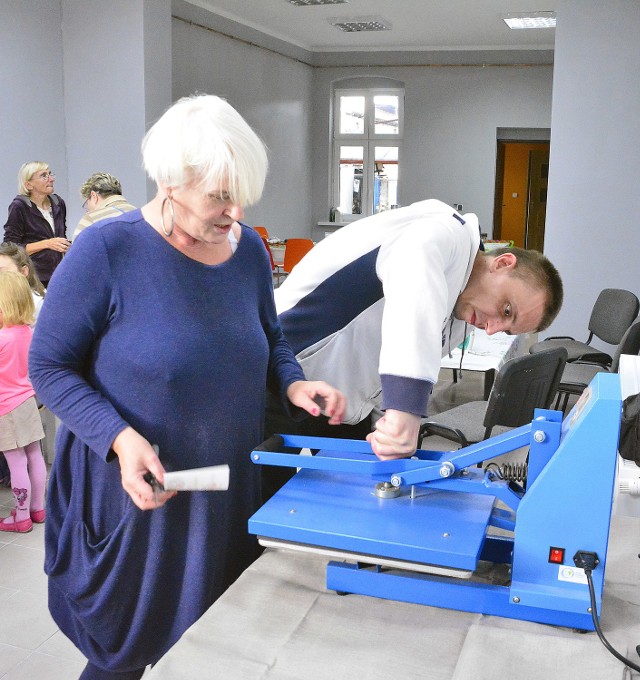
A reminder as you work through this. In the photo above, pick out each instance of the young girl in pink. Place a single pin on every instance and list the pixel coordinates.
(20, 424)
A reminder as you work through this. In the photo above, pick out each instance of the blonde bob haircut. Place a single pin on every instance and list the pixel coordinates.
(26, 172)
(16, 300)
(203, 140)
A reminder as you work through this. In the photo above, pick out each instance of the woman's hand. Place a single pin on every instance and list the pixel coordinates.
(316, 396)
(396, 435)
(137, 457)
(59, 244)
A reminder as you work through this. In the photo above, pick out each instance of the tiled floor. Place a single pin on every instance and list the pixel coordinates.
(31, 646)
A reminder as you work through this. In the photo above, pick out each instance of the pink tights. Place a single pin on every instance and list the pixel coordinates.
(28, 479)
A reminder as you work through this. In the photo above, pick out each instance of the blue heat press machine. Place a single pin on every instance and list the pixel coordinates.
(417, 530)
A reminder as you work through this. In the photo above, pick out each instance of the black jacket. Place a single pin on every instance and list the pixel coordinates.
(26, 224)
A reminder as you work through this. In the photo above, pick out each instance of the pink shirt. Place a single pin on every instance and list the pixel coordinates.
(15, 386)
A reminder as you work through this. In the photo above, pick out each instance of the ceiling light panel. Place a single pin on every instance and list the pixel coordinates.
(359, 24)
(531, 20)
(310, 3)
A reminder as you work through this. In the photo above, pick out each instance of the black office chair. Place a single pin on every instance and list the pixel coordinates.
(577, 375)
(613, 312)
(522, 385)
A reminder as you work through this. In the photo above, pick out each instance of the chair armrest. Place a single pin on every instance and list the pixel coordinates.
(430, 428)
(604, 362)
(558, 337)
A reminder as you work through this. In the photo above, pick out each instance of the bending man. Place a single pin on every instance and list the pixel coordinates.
(373, 308)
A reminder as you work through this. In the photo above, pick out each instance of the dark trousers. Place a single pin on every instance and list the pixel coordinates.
(278, 422)
(92, 672)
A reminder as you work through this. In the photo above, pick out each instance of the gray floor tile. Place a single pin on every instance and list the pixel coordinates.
(25, 621)
(26, 566)
(59, 645)
(45, 667)
(11, 657)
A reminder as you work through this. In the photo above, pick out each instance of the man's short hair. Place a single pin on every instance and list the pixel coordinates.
(538, 271)
(103, 184)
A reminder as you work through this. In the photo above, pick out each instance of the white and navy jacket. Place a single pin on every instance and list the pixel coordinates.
(369, 309)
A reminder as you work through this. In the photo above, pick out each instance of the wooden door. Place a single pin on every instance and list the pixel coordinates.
(537, 198)
(522, 169)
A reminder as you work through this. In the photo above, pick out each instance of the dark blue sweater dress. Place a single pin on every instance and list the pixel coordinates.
(133, 332)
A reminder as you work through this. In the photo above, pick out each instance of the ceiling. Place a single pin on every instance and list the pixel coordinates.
(422, 31)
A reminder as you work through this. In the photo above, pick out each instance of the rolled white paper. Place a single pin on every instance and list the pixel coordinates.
(214, 478)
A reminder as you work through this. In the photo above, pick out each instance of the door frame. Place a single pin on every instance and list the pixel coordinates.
(506, 136)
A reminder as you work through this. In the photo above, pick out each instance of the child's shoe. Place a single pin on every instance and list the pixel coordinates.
(38, 516)
(17, 527)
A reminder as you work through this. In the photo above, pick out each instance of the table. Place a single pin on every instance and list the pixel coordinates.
(278, 622)
(486, 354)
(277, 250)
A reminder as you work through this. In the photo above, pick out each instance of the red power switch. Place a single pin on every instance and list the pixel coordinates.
(556, 555)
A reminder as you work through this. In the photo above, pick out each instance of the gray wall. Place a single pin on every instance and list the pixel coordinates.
(273, 93)
(79, 85)
(115, 84)
(594, 174)
(451, 113)
(451, 119)
(31, 94)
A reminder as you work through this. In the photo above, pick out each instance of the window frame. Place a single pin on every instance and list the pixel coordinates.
(368, 139)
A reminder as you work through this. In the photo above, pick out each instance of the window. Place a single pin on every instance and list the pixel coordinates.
(367, 143)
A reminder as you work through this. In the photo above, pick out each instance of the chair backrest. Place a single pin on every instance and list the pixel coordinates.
(522, 385)
(294, 250)
(268, 247)
(613, 312)
(262, 231)
(630, 344)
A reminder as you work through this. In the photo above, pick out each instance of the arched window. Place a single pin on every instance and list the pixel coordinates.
(367, 143)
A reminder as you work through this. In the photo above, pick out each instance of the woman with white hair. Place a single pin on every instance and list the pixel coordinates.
(162, 331)
(37, 219)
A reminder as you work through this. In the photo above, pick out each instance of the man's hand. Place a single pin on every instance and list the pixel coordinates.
(395, 436)
(316, 396)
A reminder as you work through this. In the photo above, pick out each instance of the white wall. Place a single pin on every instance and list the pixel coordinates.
(106, 90)
(452, 115)
(80, 81)
(158, 51)
(118, 72)
(273, 93)
(594, 174)
(451, 119)
(110, 85)
(31, 94)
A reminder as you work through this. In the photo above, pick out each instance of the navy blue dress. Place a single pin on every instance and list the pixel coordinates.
(133, 332)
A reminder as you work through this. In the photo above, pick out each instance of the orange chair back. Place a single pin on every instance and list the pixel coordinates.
(295, 249)
(275, 269)
(262, 231)
(266, 245)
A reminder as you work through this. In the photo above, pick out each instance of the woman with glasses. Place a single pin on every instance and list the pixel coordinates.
(37, 219)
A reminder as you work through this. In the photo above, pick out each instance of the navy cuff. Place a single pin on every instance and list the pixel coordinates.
(405, 394)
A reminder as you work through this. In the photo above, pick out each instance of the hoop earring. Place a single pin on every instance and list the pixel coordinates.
(173, 217)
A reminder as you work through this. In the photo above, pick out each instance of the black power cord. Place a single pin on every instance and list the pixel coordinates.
(588, 561)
